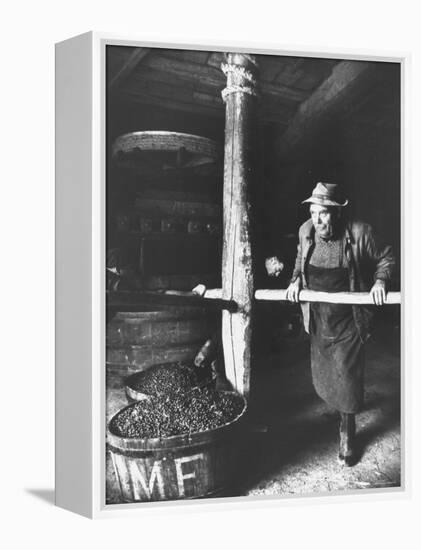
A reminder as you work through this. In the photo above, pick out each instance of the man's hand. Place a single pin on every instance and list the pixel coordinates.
(274, 266)
(200, 290)
(293, 290)
(378, 292)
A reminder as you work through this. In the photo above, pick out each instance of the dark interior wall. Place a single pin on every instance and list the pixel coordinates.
(360, 150)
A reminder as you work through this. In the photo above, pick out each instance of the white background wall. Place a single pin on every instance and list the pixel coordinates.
(28, 33)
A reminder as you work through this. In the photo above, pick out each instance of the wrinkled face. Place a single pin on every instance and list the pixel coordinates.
(324, 219)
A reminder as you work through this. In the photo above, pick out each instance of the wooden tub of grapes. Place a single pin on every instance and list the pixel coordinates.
(194, 462)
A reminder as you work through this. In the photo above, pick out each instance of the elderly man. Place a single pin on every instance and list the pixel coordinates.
(334, 255)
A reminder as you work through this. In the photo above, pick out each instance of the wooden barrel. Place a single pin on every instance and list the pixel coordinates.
(138, 340)
(191, 466)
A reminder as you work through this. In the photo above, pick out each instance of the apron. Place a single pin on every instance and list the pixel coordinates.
(337, 353)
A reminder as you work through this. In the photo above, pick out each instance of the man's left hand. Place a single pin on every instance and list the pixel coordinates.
(378, 292)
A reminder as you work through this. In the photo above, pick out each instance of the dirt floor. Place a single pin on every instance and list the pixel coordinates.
(298, 453)
(293, 444)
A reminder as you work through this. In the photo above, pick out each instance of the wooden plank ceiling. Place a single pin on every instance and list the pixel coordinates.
(192, 81)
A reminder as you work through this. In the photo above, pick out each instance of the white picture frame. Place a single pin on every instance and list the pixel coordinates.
(80, 268)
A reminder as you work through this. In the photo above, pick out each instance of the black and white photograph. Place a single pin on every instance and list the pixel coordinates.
(253, 275)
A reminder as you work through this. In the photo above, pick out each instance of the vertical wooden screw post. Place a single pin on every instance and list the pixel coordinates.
(237, 269)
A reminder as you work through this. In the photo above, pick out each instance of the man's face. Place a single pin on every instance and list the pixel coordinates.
(323, 218)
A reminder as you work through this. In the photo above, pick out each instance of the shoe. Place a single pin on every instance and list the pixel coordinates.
(347, 453)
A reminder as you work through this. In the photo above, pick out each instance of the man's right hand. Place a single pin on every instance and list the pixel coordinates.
(293, 290)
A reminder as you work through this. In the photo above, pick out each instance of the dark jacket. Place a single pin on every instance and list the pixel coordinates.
(367, 261)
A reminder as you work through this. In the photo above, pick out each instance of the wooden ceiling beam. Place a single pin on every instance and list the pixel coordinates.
(192, 72)
(348, 81)
(285, 93)
(175, 94)
(127, 68)
(145, 75)
(167, 103)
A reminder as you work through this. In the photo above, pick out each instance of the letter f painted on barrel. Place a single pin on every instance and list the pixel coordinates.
(179, 469)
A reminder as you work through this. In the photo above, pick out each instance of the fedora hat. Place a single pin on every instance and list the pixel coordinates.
(326, 194)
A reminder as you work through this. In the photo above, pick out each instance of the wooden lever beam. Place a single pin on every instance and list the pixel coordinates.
(355, 298)
(212, 298)
(275, 295)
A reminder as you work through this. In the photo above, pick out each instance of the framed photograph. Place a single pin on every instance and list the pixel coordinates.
(228, 274)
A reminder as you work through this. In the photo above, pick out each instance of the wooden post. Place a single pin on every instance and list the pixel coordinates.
(237, 269)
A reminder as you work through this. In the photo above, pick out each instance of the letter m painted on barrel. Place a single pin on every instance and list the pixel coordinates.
(139, 480)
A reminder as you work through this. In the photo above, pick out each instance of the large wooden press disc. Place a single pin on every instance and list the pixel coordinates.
(166, 150)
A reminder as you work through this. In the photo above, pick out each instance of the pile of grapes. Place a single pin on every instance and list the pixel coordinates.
(177, 414)
(167, 379)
